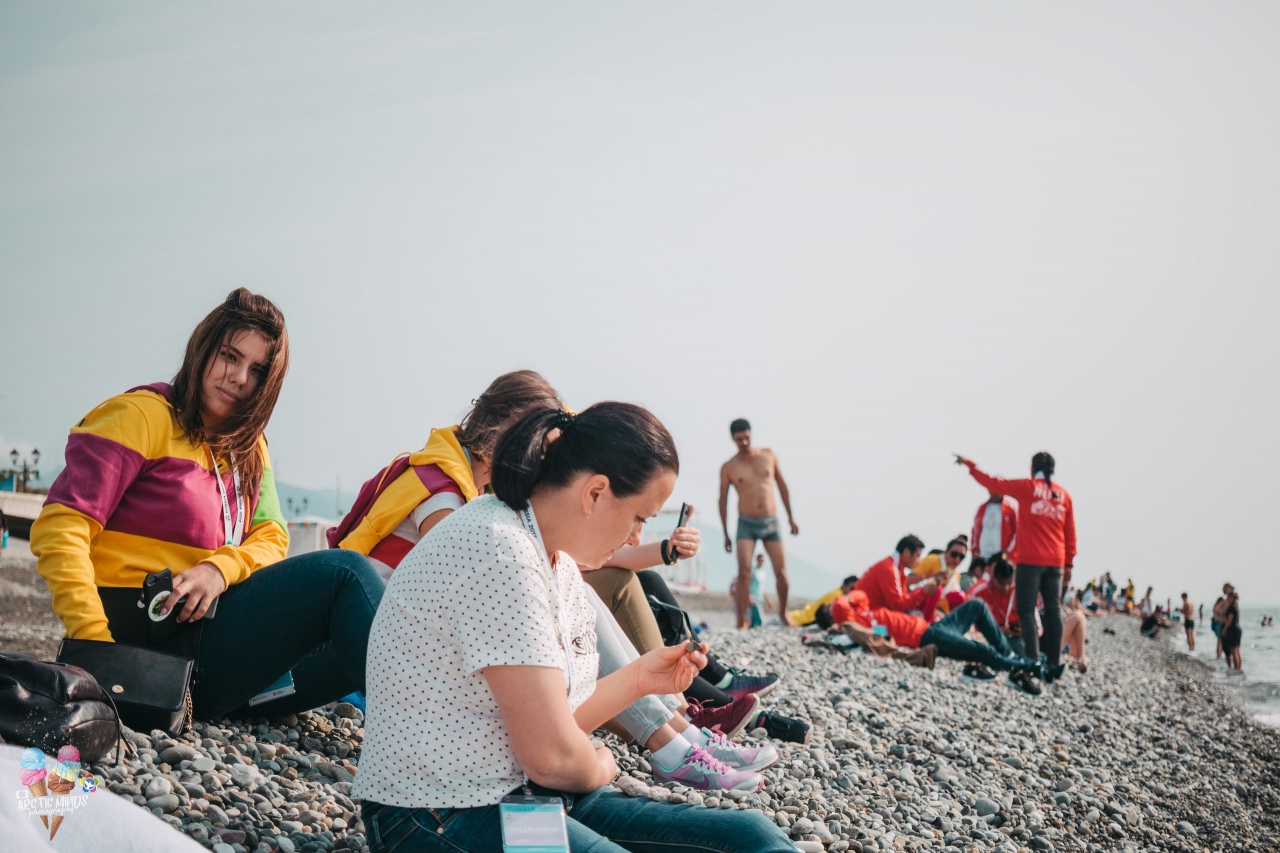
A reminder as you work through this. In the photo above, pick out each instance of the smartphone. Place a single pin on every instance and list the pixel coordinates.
(684, 516)
(533, 824)
(157, 588)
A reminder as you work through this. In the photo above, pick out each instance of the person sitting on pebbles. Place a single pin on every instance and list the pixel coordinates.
(484, 679)
(407, 499)
(947, 634)
(885, 583)
(176, 475)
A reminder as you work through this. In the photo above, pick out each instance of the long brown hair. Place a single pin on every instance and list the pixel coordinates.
(508, 396)
(237, 435)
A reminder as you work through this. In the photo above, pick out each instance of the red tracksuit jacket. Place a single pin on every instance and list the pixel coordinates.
(886, 586)
(1008, 528)
(1046, 521)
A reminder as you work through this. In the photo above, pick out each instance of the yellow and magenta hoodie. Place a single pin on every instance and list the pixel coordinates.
(389, 497)
(137, 497)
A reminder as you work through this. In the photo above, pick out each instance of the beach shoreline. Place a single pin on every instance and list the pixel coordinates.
(1148, 751)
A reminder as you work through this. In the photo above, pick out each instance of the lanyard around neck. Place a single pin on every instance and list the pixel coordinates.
(531, 527)
(232, 534)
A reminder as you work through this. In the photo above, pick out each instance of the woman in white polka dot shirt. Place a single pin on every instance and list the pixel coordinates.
(482, 669)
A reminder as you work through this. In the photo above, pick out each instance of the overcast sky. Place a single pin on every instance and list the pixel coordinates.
(882, 232)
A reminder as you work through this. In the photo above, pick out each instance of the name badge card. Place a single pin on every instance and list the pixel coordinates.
(533, 825)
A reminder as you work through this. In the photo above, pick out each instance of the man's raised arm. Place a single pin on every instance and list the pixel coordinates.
(786, 495)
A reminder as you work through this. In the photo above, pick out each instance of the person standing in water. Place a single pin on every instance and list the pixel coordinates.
(754, 472)
(1188, 622)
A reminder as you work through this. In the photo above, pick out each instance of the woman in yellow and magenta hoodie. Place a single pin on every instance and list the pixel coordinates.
(139, 494)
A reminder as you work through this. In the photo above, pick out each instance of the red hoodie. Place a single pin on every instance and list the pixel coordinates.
(1003, 606)
(904, 629)
(1046, 521)
(885, 586)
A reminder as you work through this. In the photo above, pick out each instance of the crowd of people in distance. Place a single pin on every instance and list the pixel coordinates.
(1023, 548)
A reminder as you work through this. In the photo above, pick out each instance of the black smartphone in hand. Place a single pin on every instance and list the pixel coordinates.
(157, 589)
(684, 516)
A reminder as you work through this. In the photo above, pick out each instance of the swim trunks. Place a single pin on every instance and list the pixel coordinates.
(1216, 627)
(1191, 624)
(764, 529)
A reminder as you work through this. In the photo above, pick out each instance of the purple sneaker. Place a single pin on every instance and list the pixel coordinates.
(698, 770)
(739, 756)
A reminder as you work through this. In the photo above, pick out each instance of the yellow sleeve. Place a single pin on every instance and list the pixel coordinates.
(61, 541)
(807, 614)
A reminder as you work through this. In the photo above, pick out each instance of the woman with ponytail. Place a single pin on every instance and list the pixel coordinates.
(483, 663)
(1046, 551)
(177, 476)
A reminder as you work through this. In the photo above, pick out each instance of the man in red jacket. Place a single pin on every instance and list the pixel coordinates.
(995, 527)
(997, 591)
(1046, 551)
(948, 633)
(885, 583)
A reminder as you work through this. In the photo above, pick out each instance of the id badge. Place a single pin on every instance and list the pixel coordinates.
(533, 825)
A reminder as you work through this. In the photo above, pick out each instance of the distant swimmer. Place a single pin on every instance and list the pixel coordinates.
(754, 471)
(1188, 610)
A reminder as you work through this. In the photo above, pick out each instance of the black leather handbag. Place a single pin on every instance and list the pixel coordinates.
(51, 705)
(151, 689)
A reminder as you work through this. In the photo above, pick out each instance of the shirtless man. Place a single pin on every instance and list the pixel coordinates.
(1188, 611)
(753, 472)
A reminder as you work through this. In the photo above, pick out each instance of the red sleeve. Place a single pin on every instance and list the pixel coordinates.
(1069, 531)
(1017, 489)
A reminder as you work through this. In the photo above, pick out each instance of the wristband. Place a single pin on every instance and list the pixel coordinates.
(669, 554)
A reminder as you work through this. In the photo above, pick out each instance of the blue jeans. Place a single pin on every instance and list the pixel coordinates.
(310, 614)
(603, 821)
(948, 634)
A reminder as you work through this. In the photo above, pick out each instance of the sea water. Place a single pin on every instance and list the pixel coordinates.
(1259, 685)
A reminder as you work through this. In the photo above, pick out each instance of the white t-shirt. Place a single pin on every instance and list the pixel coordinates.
(473, 593)
(992, 530)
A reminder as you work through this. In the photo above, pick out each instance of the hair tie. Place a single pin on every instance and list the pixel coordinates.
(564, 420)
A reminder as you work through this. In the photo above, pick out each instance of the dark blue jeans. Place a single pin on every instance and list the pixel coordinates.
(308, 614)
(948, 634)
(604, 821)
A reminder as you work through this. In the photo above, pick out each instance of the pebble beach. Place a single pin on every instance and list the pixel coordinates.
(1144, 752)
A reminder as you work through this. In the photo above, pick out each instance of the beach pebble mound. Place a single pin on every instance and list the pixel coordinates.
(1143, 753)
(268, 785)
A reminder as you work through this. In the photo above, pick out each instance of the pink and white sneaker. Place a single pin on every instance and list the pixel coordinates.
(739, 756)
(698, 770)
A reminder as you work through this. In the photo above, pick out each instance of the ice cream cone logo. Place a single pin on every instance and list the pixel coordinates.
(34, 774)
(62, 781)
(52, 783)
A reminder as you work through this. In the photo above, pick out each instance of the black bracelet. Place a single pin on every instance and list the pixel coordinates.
(669, 554)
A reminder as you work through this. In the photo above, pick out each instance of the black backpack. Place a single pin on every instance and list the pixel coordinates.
(49, 705)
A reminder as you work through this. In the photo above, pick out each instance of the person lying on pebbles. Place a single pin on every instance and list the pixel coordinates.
(947, 634)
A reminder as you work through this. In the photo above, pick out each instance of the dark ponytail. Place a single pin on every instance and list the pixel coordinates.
(1042, 463)
(624, 442)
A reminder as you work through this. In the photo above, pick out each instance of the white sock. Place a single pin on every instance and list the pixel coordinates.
(696, 736)
(673, 753)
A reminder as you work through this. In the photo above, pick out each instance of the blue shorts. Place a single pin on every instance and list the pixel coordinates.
(763, 529)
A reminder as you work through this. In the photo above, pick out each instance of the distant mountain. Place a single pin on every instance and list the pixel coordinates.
(325, 503)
